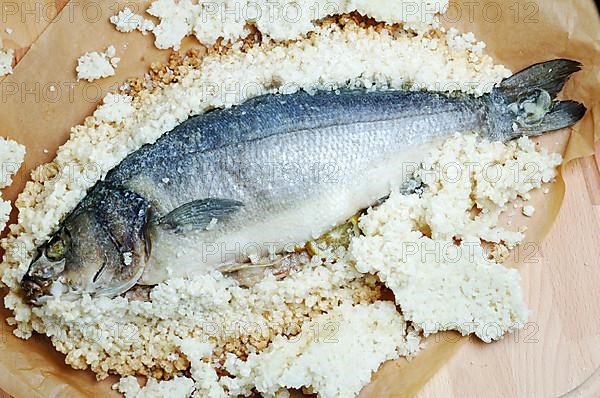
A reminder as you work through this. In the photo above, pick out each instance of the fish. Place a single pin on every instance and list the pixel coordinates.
(267, 176)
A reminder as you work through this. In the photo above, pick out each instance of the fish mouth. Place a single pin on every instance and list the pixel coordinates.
(39, 290)
(35, 289)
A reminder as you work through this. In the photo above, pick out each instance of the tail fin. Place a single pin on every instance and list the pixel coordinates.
(530, 97)
(563, 114)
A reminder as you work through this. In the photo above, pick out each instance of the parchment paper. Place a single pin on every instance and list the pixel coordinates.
(518, 34)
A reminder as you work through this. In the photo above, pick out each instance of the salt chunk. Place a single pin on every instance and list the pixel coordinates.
(6, 61)
(212, 224)
(127, 21)
(528, 210)
(127, 258)
(97, 65)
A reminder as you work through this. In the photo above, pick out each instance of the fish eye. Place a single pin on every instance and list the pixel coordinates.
(58, 246)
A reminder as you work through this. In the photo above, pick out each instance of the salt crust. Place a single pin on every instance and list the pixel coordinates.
(348, 335)
(230, 20)
(429, 249)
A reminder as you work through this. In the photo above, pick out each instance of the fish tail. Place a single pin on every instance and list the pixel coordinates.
(530, 96)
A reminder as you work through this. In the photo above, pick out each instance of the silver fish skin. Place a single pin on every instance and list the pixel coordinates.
(268, 175)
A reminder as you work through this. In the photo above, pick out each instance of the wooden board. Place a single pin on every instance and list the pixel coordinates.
(561, 345)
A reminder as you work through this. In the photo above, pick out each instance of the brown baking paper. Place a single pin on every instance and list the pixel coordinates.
(517, 33)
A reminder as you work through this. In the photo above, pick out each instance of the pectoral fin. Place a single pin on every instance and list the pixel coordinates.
(198, 214)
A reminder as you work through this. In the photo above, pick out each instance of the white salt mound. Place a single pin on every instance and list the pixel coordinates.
(11, 158)
(363, 336)
(209, 21)
(444, 279)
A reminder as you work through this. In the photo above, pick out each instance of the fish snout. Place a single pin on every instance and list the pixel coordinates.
(35, 288)
(40, 277)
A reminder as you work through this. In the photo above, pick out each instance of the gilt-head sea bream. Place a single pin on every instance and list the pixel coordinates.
(270, 174)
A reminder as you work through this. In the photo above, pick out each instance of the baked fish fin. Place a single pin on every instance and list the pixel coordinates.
(563, 114)
(198, 214)
(549, 76)
(530, 98)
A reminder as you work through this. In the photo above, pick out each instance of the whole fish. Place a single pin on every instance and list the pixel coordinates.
(270, 174)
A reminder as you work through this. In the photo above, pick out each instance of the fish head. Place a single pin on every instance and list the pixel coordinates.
(100, 249)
